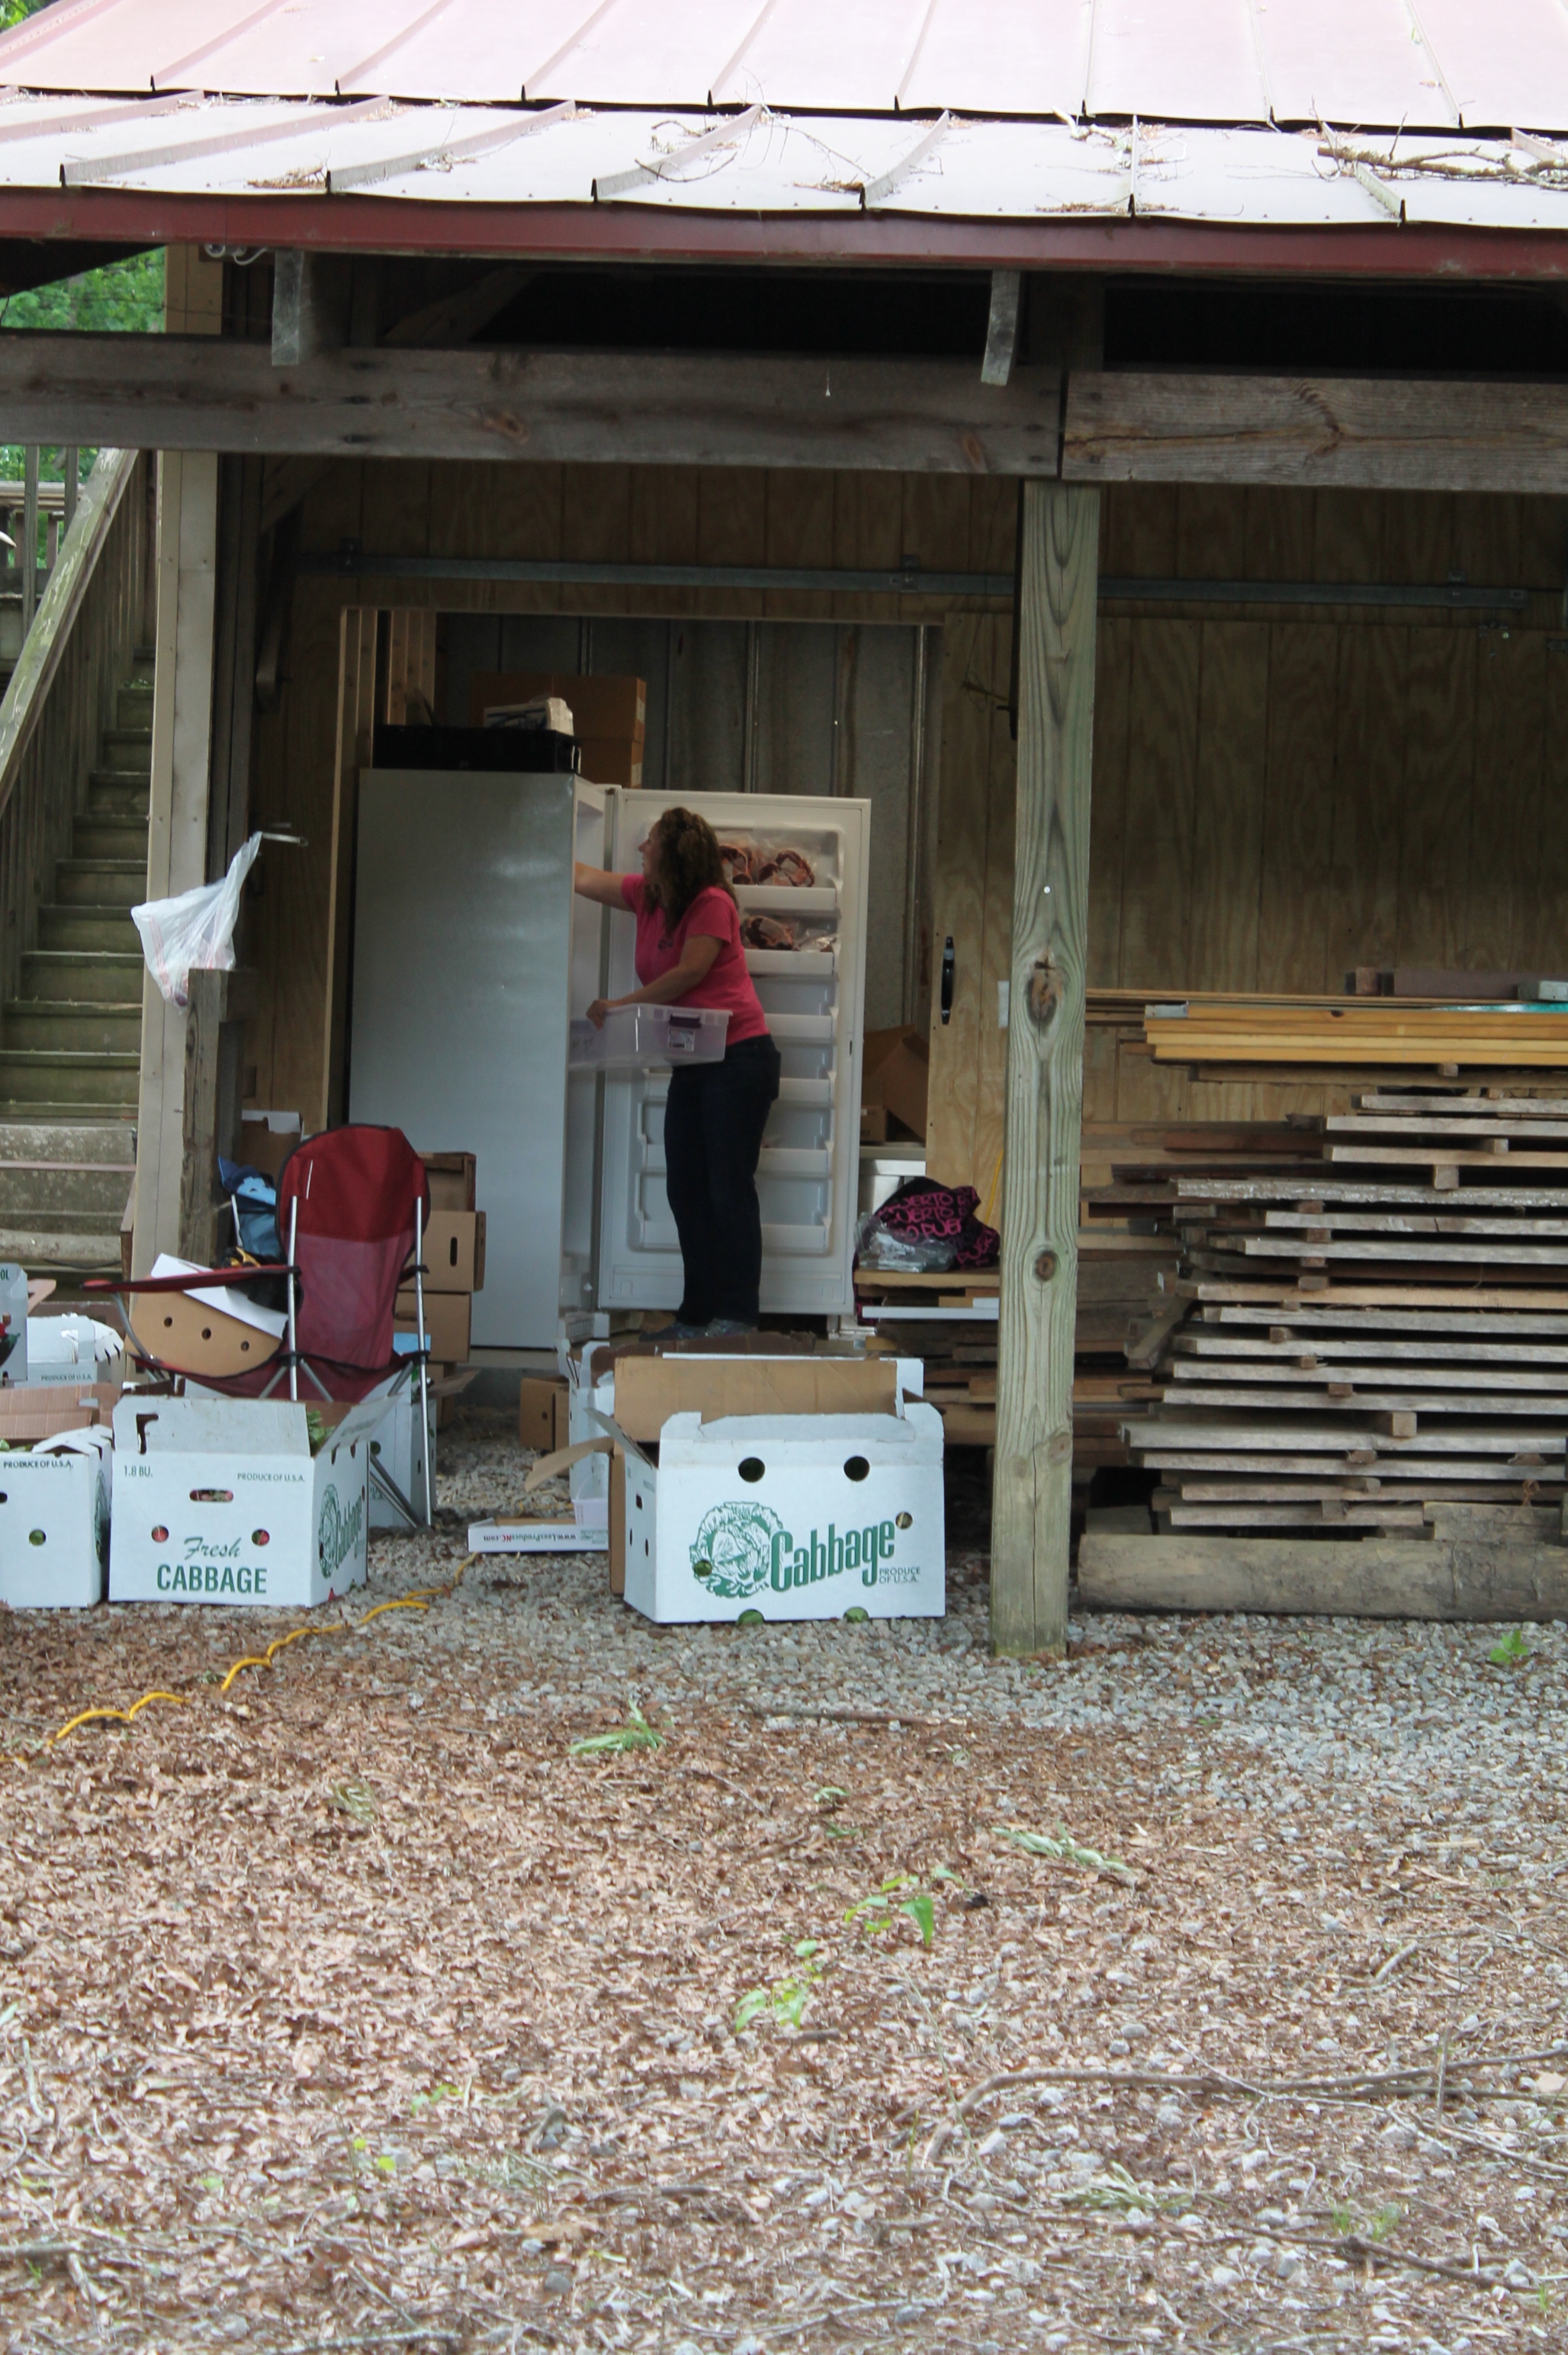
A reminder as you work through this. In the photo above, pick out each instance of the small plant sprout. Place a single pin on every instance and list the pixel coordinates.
(785, 2001)
(1386, 2220)
(830, 1796)
(636, 1734)
(1512, 1652)
(901, 1892)
(1117, 2191)
(1063, 1849)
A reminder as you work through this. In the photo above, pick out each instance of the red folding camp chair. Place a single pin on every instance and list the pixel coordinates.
(352, 1205)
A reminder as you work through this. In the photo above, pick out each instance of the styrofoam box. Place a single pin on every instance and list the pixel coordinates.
(53, 1523)
(221, 1500)
(407, 1452)
(798, 1516)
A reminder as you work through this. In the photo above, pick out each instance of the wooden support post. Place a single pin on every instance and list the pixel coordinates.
(177, 817)
(214, 1093)
(1033, 1488)
(356, 722)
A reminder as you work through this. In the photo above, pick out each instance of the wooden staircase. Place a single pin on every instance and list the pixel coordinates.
(70, 1043)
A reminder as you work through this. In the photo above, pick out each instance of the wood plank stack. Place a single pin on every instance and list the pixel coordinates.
(1373, 1334)
(1368, 1031)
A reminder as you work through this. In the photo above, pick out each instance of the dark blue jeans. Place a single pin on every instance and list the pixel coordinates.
(714, 1127)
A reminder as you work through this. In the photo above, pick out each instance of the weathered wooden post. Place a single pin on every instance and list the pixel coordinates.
(1032, 1496)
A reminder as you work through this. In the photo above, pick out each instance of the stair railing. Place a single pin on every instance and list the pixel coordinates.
(91, 619)
(27, 509)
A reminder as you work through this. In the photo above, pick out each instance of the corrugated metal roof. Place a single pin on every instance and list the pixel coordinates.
(1423, 65)
(765, 163)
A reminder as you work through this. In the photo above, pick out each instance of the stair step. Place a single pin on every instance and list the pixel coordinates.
(53, 1075)
(62, 1247)
(89, 1029)
(128, 748)
(118, 793)
(64, 928)
(64, 1200)
(116, 836)
(134, 705)
(84, 976)
(100, 883)
(34, 1135)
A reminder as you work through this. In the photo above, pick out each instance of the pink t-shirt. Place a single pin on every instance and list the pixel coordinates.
(727, 983)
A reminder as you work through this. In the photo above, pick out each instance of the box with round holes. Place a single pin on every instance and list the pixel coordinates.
(259, 1502)
(53, 1521)
(794, 1513)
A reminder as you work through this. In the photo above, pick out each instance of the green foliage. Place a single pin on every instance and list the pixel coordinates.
(354, 1799)
(636, 1734)
(785, 2000)
(12, 12)
(751, 1619)
(1512, 1652)
(1063, 1849)
(124, 297)
(1115, 2192)
(858, 1616)
(900, 1894)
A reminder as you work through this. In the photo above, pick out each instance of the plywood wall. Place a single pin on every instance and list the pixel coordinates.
(1279, 795)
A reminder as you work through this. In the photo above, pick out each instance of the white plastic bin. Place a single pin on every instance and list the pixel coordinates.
(636, 1036)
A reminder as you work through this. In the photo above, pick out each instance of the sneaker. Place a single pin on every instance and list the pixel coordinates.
(722, 1327)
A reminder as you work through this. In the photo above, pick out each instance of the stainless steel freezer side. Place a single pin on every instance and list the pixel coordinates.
(463, 964)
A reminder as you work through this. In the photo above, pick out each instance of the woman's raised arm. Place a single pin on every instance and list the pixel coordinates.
(595, 883)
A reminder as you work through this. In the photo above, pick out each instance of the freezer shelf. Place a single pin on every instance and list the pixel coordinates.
(805, 964)
(782, 900)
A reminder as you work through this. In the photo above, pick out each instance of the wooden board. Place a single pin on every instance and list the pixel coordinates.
(1230, 794)
(1157, 888)
(771, 409)
(1136, 426)
(1294, 914)
(1033, 1493)
(1367, 1578)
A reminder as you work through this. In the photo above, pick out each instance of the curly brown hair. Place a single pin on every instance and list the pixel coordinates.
(686, 861)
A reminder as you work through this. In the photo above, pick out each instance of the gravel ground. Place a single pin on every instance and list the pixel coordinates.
(348, 2008)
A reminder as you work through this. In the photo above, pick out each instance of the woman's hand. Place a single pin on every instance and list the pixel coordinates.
(597, 1011)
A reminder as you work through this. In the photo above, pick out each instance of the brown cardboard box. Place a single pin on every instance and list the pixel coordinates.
(265, 1147)
(447, 1321)
(38, 1410)
(600, 706)
(648, 1391)
(452, 1178)
(895, 1073)
(454, 1251)
(542, 1409)
(612, 760)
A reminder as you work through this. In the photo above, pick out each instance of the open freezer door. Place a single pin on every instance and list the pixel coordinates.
(808, 962)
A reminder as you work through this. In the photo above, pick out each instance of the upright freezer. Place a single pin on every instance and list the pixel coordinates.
(471, 955)
(809, 961)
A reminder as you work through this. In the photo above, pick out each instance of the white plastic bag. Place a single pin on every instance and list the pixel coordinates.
(194, 932)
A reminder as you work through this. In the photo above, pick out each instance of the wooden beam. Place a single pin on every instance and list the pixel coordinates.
(356, 722)
(1034, 1486)
(731, 409)
(1356, 432)
(1365, 1578)
(311, 294)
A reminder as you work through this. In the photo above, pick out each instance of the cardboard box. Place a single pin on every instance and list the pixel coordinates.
(895, 1076)
(45, 1409)
(53, 1523)
(13, 1322)
(649, 1390)
(600, 706)
(211, 1332)
(544, 1407)
(454, 1251)
(447, 1320)
(221, 1500)
(267, 1139)
(406, 1453)
(612, 760)
(586, 1530)
(798, 1516)
(451, 1179)
(72, 1348)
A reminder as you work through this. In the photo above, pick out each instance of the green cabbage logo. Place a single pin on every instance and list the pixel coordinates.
(341, 1531)
(733, 1550)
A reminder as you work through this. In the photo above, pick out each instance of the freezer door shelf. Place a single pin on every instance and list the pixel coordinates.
(782, 900)
(775, 1161)
(800, 1029)
(814, 1095)
(788, 1243)
(807, 964)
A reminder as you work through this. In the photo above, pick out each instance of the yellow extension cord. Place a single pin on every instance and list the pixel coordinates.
(420, 1600)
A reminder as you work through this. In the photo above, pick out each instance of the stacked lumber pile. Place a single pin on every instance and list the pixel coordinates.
(1516, 1035)
(1373, 1335)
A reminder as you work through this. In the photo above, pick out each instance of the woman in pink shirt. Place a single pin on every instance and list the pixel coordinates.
(688, 953)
